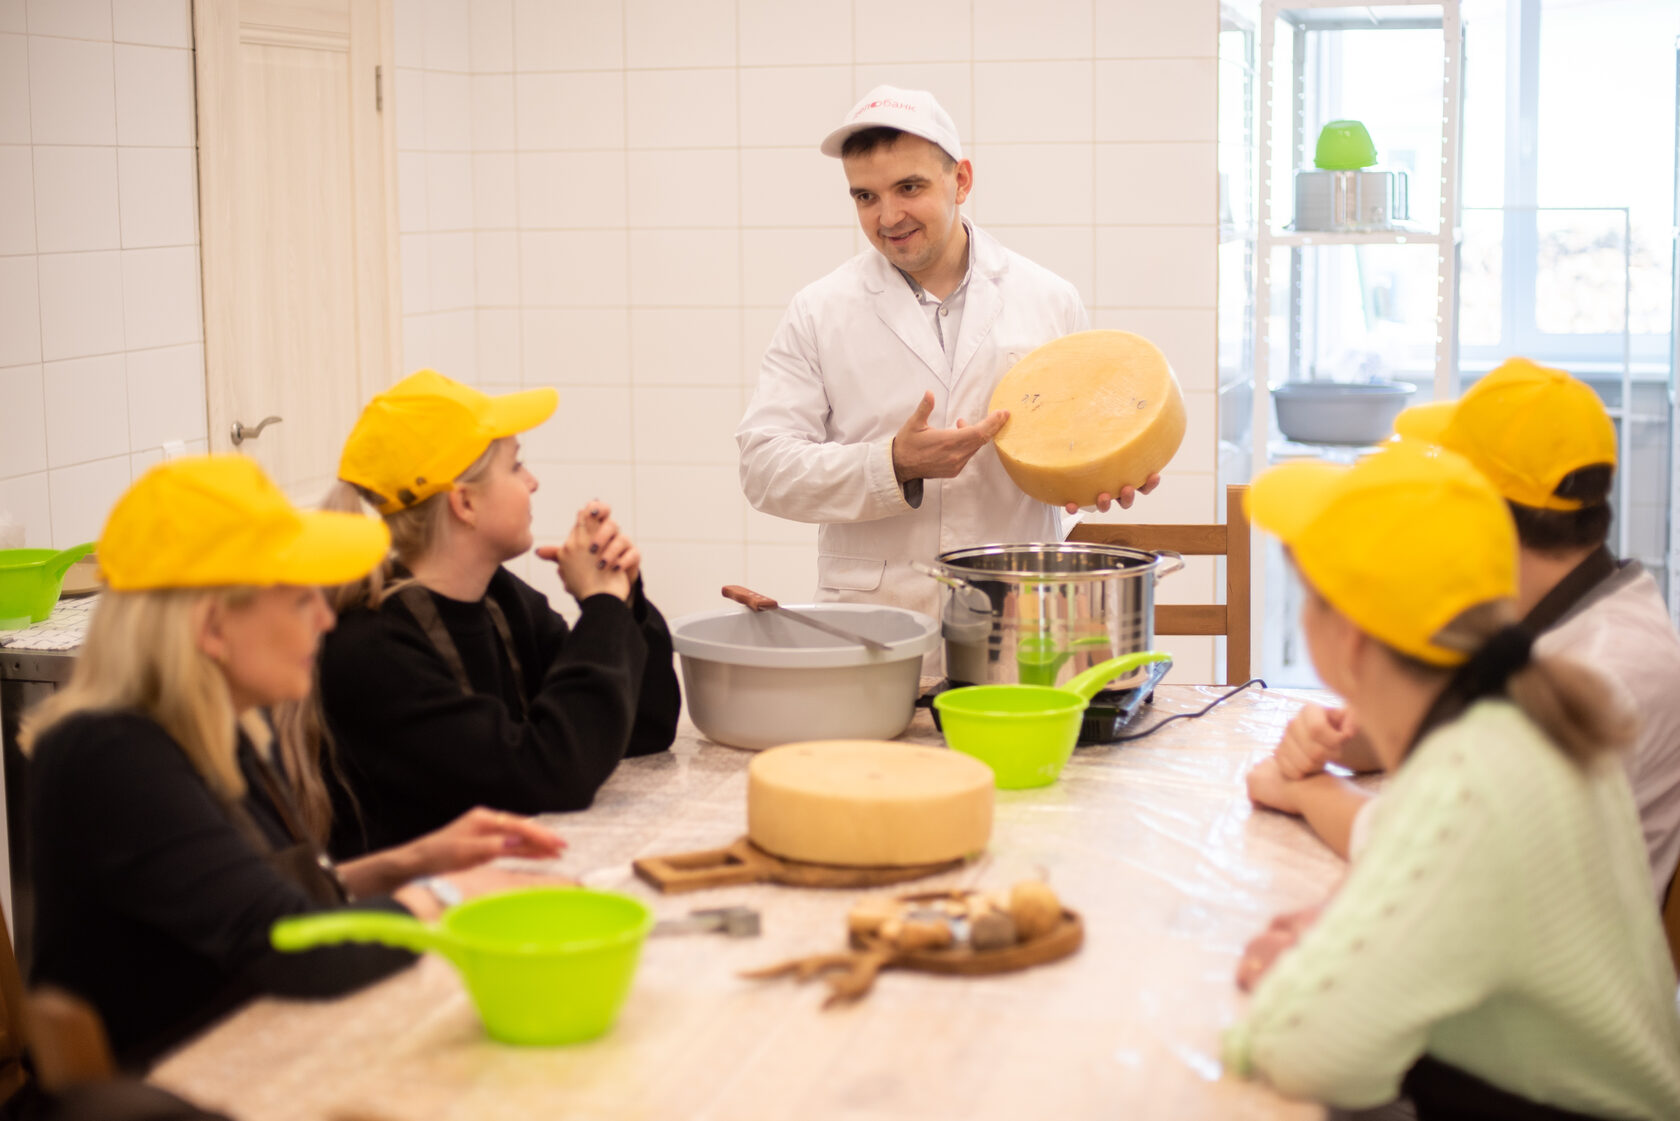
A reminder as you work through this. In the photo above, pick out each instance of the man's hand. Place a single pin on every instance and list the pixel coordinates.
(1314, 737)
(1127, 496)
(920, 452)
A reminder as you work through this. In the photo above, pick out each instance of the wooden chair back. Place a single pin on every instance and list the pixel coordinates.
(13, 1037)
(1230, 539)
(67, 1041)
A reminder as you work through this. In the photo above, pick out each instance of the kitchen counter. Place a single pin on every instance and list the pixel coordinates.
(1153, 842)
(34, 663)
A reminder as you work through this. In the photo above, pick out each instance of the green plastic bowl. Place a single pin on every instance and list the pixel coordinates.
(543, 966)
(30, 580)
(1344, 146)
(1025, 733)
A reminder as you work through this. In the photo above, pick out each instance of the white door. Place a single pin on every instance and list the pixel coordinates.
(298, 215)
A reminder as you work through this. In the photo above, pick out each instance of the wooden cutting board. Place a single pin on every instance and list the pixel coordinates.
(851, 973)
(745, 863)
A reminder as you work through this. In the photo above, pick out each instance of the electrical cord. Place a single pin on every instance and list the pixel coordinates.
(1203, 711)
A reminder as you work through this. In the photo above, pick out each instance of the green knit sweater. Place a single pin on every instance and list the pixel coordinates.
(1500, 920)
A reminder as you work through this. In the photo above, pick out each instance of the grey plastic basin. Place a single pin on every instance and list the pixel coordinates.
(1329, 412)
(759, 679)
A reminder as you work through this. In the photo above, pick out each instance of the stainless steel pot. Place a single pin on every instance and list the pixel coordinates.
(1042, 613)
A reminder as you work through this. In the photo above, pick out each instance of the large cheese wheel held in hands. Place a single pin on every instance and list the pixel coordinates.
(1089, 413)
(868, 803)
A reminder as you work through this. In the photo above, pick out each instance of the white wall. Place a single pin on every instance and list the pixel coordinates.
(101, 327)
(618, 197)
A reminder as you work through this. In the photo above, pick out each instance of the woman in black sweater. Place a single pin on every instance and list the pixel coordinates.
(164, 841)
(450, 681)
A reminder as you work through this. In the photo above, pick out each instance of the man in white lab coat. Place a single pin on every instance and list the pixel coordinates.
(871, 414)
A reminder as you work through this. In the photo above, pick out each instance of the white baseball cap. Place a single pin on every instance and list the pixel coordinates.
(914, 111)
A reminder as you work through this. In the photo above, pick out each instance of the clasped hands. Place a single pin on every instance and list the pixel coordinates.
(921, 452)
(597, 556)
(1315, 738)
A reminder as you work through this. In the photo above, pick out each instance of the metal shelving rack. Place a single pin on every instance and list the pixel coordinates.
(1301, 18)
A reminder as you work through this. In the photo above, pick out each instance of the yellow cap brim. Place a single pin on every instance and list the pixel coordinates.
(1286, 499)
(332, 548)
(512, 413)
(1425, 422)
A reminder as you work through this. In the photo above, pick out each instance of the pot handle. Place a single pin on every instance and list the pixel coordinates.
(949, 581)
(1177, 560)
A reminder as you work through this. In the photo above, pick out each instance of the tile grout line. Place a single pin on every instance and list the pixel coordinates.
(740, 257)
(40, 314)
(629, 280)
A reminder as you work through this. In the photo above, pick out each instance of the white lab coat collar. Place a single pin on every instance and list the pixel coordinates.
(896, 304)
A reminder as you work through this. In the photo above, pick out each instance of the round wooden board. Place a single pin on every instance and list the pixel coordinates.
(800, 873)
(1059, 942)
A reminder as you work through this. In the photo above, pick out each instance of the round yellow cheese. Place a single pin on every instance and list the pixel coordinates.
(1089, 413)
(868, 803)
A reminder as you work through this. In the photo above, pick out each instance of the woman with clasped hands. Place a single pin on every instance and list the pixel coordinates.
(450, 682)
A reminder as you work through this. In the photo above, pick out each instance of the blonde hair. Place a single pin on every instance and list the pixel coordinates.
(304, 744)
(414, 532)
(142, 652)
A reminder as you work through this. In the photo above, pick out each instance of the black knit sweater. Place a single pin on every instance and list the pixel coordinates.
(416, 751)
(151, 903)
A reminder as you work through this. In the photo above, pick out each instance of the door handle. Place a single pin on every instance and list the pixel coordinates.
(240, 433)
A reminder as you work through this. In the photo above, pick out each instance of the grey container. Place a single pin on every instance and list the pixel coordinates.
(758, 679)
(1332, 412)
(1349, 201)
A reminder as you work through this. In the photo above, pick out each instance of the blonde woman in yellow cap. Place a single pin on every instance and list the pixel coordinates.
(1494, 950)
(450, 682)
(1546, 443)
(164, 843)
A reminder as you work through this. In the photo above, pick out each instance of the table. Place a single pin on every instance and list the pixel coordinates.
(1153, 842)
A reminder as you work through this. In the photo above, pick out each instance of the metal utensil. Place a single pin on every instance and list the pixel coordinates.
(735, 922)
(757, 601)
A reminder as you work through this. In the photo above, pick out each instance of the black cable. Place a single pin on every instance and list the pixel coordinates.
(1209, 707)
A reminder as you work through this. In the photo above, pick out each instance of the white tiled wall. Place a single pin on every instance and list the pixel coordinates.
(618, 197)
(101, 327)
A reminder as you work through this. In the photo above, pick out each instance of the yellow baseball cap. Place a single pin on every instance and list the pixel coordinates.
(414, 440)
(1401, 543)
(1525, 427)
(215, 521)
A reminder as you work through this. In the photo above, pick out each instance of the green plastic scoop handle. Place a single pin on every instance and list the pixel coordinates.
(60, 564)
(307, 932)
(52, 564)
(1090, 683)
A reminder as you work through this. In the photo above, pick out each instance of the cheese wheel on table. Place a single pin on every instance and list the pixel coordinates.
(1089, 413)
(868, 803)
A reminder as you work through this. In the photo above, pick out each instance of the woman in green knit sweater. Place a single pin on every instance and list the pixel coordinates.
(1495, 951)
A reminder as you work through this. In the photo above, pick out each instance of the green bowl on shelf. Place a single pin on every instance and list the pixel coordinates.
(30, 580)
(1344, 146)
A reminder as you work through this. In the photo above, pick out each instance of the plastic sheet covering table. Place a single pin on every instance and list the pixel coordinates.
(1154, 842)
